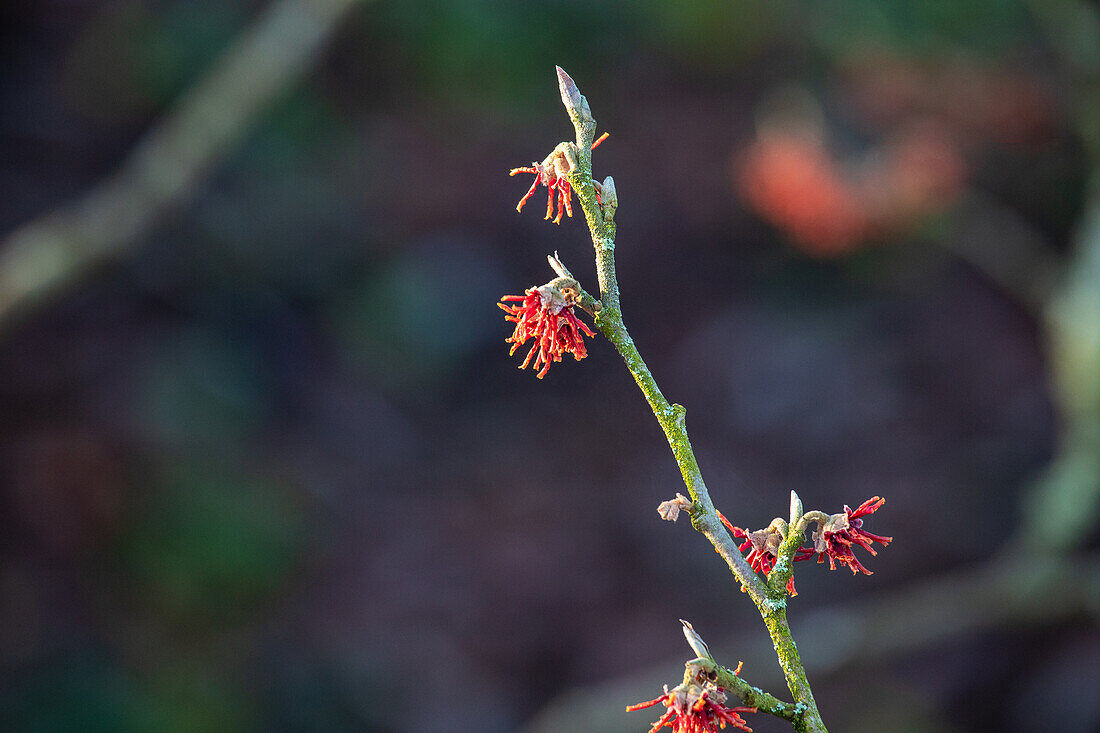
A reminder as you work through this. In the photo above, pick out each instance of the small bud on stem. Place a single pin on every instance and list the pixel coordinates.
(694, 640)
(575, 103)
(609, 199)
(796, 509)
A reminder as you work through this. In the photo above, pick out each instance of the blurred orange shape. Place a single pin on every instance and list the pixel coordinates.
(794, 184)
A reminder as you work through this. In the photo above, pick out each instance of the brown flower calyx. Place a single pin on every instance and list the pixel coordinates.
(670, 510)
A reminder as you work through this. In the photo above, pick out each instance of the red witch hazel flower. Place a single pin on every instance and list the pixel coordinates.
(552, 173)
(765, 549)
(546, 315)
(694, 708)
(834, 539)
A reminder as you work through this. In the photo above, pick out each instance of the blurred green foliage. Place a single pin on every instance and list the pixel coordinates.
(202, 389)
(207, 544)
(420, 316)
(708, 36)
(133, 57)
(86, 692)
(988, 28)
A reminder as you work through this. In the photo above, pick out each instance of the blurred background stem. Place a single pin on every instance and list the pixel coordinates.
(1065, 503)
(44, 256)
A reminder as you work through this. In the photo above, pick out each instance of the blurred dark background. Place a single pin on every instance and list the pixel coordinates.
(265, 463)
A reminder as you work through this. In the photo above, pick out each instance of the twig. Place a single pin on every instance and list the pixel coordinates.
(730, 679)
(601, 224)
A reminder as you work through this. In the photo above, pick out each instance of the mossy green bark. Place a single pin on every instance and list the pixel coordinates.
(809, 721)
(764, 702)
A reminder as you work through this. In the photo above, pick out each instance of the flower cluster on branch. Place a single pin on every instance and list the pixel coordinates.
(694, 708)
(546, 315)
(765, 550)
(835, 538)
(552, 173)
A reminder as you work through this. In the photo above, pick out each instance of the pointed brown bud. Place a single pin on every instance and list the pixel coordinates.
(694, 640)
(572, 98)
(570, 95)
